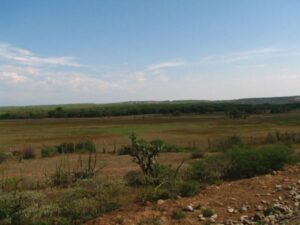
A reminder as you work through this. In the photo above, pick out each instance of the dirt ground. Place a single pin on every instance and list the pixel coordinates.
(254, 192)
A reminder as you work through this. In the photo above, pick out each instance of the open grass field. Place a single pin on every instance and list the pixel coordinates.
(115, 130)
(107, 133)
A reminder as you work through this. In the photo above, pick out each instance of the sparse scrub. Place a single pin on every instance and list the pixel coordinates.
(125, 150)
(188, 188)
(48, 151)
(66, 148)
(64, 175)
(28, 152)
(178, 214)
(3, 157)
(85, 146)
(150, 221)
(209, 170)
(197, 154)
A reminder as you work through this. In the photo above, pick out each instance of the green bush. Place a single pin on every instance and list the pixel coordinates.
(248, 162)
(15, 207)
(66, 148)
(188, 189)
(207, 212)
(48, 151)
(85, 146)
(125, 150)
(227, 143)
(209, 170)
(151, 194)
(178, 214)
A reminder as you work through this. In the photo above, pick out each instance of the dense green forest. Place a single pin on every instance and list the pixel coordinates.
(232, 109)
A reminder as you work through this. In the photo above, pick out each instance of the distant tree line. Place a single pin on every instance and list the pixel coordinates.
(233, 110)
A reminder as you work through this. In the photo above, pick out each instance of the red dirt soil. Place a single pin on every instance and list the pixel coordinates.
(250, 192)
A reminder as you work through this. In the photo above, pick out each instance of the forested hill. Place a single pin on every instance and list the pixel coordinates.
(234, 108)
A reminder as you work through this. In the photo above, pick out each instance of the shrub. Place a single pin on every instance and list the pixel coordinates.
(48, 151)
(14, 206)
(188, 189)
(209, 170)
(64, 175)
(145, 154)
(125, 150)
(271, 138)
(28, 152)
(151, 194)
(197, 154)
(84, 146)
(178, 214)
(89, 199)
(135, 178)
(66, 148)
(3, 157)
(248, 162)
(207, 212)
(227, 143)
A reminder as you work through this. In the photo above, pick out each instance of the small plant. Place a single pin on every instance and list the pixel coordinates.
(85, 146)
(178, 214)
(188, 189)
(269, 211)
(62, 174)
(135, 178)
(207, 212)
(197, 154)
(125, 150)
(66, 148)
(28, 152)
(3, 157)
(86, 170)
(48, 151)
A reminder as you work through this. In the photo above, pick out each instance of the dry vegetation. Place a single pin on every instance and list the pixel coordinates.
(78, 186)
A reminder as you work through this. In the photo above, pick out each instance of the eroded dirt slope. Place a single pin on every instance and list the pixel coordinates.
(237, 202)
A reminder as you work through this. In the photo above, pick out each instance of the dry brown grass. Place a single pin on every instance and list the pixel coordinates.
(109, 132)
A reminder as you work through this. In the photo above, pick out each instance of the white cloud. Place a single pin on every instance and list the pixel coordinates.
(26, 78)
(242, 55)
(25, 57)
(165, 65)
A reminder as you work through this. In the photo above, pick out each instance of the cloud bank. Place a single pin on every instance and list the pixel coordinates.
(27, 78)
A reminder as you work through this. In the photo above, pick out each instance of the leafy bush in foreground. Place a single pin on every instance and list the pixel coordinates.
(248, 162)
(86, 200)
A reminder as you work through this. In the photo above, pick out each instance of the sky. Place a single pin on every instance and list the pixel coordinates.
(100, 51)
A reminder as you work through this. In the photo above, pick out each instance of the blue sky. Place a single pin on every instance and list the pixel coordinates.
(71, 51)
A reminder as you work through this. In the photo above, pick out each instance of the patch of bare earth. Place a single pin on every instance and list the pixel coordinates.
(230, 201)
